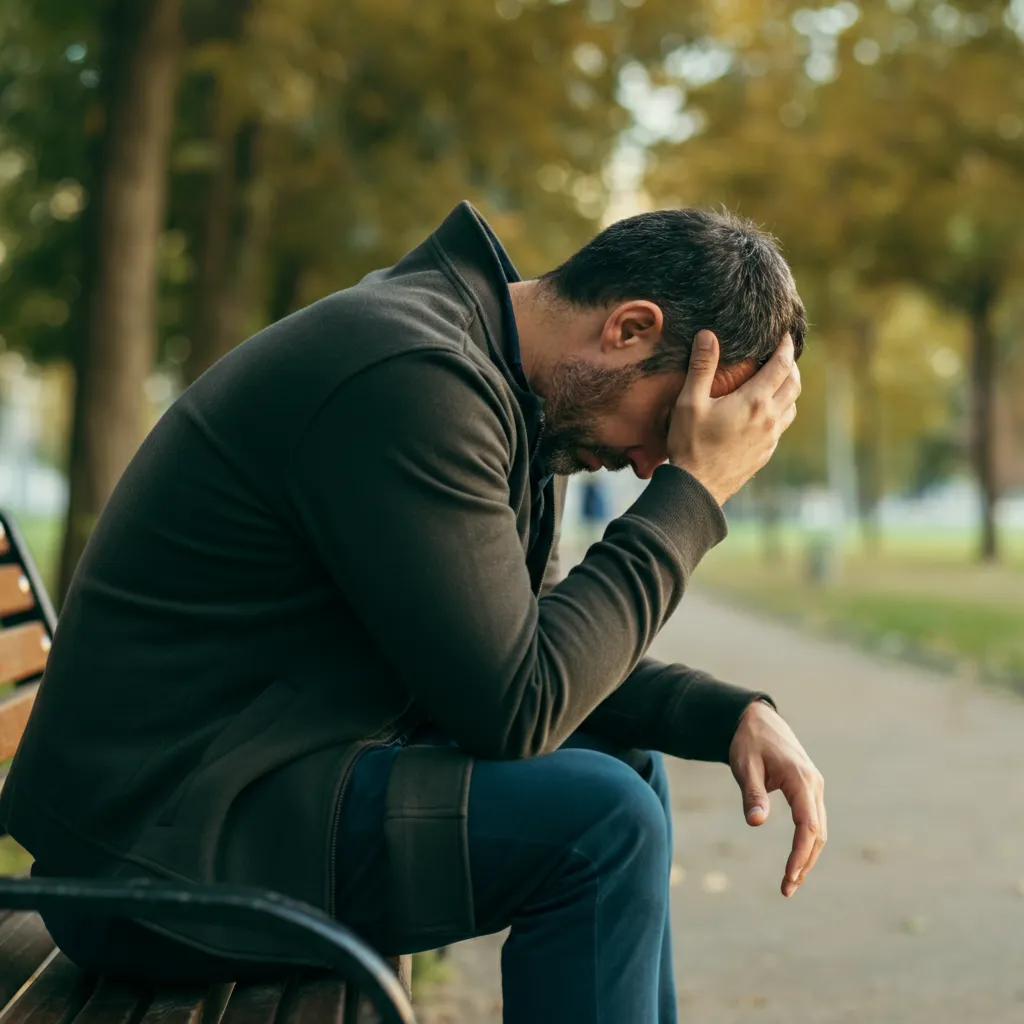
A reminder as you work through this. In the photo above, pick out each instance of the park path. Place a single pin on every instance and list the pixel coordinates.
(915, 913)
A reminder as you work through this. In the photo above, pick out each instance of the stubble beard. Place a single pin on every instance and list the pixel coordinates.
(579, 393)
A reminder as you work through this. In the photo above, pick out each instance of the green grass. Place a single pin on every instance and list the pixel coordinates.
(932, 546)
(428, 971)
(43, 535)
(921, 596)
(13, 859)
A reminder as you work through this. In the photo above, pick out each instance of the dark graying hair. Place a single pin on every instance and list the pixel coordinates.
(704, 269)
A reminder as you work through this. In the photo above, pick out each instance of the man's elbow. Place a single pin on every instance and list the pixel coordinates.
(509, 741)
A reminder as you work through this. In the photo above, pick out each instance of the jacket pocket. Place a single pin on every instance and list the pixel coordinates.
(426, 831)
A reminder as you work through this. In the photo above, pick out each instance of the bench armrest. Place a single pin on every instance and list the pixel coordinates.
(316, 936)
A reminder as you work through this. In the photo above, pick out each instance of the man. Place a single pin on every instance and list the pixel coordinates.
(317, 641)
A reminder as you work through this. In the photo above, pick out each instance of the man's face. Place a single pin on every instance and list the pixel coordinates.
(613, 417)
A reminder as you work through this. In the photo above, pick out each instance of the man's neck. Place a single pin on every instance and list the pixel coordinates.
(548, 332)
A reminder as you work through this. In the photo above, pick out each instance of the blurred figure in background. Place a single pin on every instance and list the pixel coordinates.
(593, 509)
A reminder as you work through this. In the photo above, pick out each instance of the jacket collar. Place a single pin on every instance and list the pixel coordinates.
(479, 260)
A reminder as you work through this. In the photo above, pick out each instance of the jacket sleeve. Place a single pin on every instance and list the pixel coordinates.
(401, 486)
(671, 708)
(674, 709)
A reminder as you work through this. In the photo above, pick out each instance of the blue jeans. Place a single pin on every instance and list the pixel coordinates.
(572, 851)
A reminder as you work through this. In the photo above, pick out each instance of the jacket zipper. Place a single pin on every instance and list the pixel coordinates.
(551, 540)
(397, 735)
(536, 441)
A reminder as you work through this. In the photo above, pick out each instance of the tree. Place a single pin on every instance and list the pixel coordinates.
(312, 142)
(47, 81)
(142, 45)
(879, 143)
(367, 134)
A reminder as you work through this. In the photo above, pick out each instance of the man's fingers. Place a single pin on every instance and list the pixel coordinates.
(821, 838)
(789, 390)
(767, 381)
(786, 419)
(803, 846)
(703, 364)
(819, 845)
(755, 795)
(808, 828)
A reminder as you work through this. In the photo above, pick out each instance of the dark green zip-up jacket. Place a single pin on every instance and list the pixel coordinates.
(325, 541)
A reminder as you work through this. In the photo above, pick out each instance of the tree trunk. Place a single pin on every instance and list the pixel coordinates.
(217, 215)
(251, 237)
(139, 76)
(237, 223)
(869, 443)
(983, 383)
(284, 293)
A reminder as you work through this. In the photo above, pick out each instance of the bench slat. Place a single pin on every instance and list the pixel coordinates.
(55, 995)
(187, 1006)
(23, 651)
(175, 1007)
(14, 712)
(5, 544)
(314, 999)
(15, 591)
(24, 945)
(253, 1004)
(114, 1004)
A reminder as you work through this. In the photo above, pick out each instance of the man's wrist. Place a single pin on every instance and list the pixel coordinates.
(756, 705)
(682, 508)
(686, 465)
(700, 723)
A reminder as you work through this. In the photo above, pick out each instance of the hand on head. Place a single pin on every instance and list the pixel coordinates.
(724, 441)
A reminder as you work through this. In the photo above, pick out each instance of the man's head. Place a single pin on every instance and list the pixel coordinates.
(606, 336)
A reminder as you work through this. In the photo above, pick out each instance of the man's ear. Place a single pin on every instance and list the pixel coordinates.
(637, 322)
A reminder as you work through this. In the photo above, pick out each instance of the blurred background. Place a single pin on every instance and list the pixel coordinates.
(175, 174)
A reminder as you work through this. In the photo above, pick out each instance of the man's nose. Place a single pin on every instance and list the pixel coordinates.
(644, 462)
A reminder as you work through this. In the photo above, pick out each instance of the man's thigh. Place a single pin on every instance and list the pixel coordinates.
(522, 816)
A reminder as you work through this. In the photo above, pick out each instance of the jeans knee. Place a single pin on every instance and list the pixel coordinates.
(630, 814)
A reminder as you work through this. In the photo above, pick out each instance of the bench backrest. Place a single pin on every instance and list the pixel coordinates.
(27, 622)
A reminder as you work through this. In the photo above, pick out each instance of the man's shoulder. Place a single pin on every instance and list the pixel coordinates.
(389, 330)
(319, 347)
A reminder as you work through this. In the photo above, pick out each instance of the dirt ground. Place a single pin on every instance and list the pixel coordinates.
(915, 913)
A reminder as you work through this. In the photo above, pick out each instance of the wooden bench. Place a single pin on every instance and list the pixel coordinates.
(39, 985)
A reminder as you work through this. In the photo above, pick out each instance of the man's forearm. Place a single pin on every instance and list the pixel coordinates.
(674, 709)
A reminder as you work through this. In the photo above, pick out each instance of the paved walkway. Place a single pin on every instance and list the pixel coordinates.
(915, 913)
